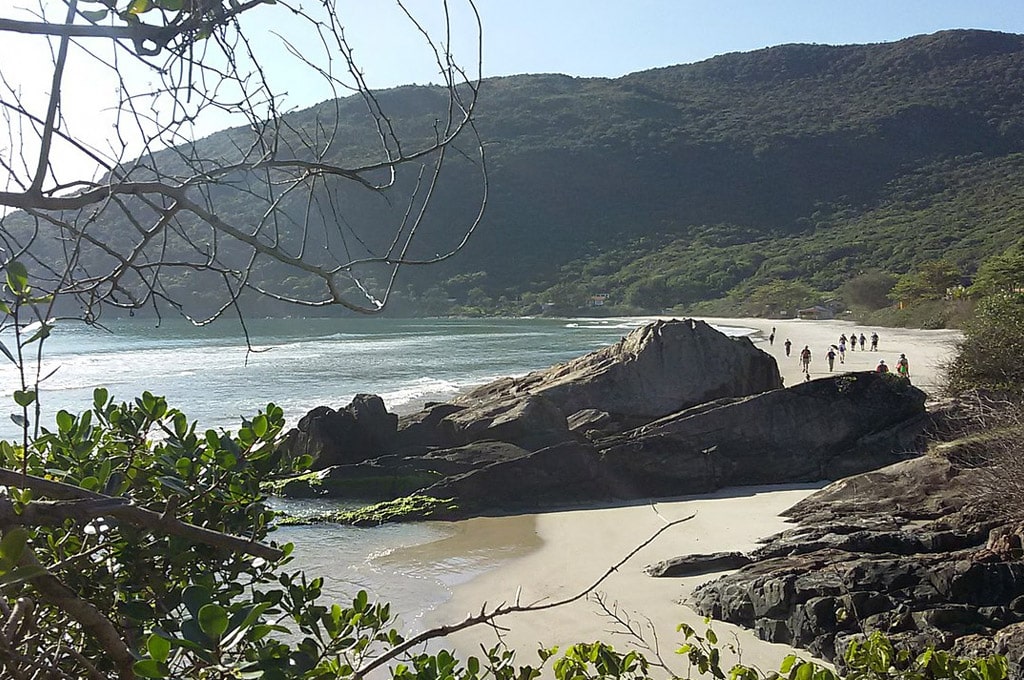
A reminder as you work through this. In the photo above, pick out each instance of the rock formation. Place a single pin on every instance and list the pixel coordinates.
(674, 408)
(823, 429)
(905, 550)
(660, 368)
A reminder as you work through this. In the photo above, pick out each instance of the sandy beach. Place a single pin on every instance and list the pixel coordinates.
(561, 553)
(927, 351)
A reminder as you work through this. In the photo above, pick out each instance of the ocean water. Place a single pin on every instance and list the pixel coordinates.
(211, 375)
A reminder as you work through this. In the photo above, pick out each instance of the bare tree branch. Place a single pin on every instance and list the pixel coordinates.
(266, 212)
(120, 509)
(488, 617)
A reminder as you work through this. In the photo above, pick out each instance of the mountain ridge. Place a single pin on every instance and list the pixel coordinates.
(805, 163)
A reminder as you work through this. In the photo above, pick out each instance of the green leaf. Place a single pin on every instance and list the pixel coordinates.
(260, 425)
(17, 277)
(173, 483)
(20, 574)
(159, 647)
(213, 620)
(194, 598)
(149, 668)
(99, 397)
(139, 7)
(136, 610)
(19, 420)
(13, 544)
(359, 604)
(7, 353)
(94, 15)
(40, 333)
(24, 397)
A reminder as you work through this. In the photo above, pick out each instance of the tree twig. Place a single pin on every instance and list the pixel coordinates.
(137, 516)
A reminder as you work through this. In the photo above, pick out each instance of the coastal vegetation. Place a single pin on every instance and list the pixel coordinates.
(135, 544)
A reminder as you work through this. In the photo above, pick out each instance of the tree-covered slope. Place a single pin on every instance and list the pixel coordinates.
(808, 163)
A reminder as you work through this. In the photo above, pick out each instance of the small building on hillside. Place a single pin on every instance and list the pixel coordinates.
(816, 312)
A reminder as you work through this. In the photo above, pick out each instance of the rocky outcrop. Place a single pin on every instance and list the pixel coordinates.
(351, 434)
(617, 424)
(822, 429)
(660, 368)
(904, 550)
(529, 421)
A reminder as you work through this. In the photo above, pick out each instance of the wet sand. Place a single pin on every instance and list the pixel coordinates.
(567, 551)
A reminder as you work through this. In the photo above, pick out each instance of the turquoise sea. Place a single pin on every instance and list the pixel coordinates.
(302, 363)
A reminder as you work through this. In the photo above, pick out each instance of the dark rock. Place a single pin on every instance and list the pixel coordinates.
(363, 429)
(530, 421)
(902, 550)
(821, 429)
(694, 565)
(555, 476)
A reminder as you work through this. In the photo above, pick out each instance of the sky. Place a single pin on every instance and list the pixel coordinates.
(611, 38)
(589, 38)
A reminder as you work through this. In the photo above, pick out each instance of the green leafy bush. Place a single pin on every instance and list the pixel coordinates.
(990, 355)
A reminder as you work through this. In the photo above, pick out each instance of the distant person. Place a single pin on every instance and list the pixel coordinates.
(903, 367)
(881, 367)
(805, 359)
(842, 350)
(862, 339)
(874, 342)
(842, 339)
(771, 338)
(831, 356)
(789, 346)
(853, 342)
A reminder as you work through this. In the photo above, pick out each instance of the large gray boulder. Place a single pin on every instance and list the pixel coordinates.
(364, 429)
(823, 429)
(660, 368)
(529, 421)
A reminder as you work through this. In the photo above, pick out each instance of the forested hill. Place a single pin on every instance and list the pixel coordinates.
(801, 163)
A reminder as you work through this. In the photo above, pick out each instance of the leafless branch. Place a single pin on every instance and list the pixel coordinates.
(305, 198)
(91, 503)
(488, 617)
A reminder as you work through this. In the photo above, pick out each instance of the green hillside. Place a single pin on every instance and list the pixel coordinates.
(675, 187)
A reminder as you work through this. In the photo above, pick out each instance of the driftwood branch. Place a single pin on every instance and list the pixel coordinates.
(126, 512)
(488, 617)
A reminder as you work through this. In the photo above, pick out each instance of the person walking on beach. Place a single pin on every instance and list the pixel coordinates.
(831, 356)
(853, 342)
(903, 367)
(881, 368)
(789, 345)
(862, 339)
(771, 338)
(842, 350)
(805, 359)
(874, 342)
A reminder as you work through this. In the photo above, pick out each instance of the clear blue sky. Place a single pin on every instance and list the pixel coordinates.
(615, 37)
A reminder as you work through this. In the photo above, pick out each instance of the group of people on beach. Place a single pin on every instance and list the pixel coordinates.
(839, 350)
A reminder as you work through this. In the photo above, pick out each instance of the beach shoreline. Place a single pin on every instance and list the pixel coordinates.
(575, 546)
